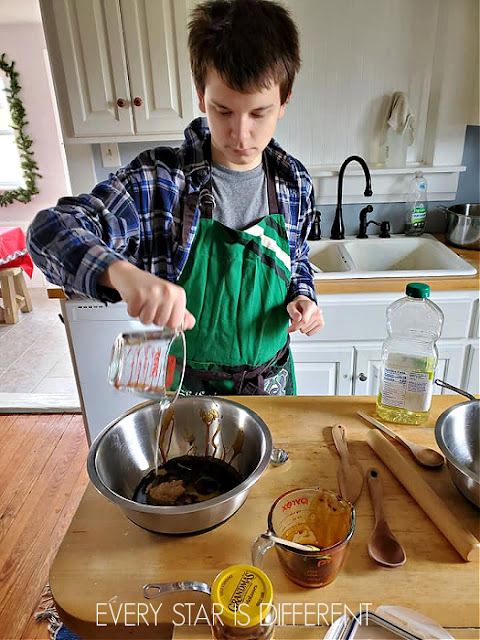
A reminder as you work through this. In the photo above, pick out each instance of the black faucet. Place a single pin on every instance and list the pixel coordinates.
(338, 228)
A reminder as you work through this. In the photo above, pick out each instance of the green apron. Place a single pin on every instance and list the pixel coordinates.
(236, 284)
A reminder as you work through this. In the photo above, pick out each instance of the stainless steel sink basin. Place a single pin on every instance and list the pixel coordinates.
(396, 257)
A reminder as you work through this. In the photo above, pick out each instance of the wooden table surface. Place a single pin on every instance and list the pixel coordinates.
(105, 559)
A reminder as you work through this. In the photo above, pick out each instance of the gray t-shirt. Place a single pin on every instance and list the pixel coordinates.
(240, 196)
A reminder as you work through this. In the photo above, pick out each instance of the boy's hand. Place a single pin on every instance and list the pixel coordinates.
(305, 315)
(149, 298)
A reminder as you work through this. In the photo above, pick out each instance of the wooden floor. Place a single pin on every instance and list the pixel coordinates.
(42, 479)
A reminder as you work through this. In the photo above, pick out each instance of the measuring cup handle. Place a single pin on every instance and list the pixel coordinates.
(260, 546)
(155, 590)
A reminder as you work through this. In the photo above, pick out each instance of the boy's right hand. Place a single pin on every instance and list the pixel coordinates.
(151, 299)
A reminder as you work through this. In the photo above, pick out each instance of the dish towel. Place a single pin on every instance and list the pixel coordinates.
(401, 118)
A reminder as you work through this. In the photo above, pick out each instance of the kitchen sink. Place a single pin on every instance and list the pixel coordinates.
(396, 257)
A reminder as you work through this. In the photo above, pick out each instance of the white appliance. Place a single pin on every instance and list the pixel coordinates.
(92, 327)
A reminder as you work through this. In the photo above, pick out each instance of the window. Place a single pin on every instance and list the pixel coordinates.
(11, 172)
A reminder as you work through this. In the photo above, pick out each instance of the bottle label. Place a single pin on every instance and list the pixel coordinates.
(410, 390)
(419, 214)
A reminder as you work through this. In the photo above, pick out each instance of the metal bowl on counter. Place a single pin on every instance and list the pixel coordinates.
(123, 454)
(457, 432)
(463, 225)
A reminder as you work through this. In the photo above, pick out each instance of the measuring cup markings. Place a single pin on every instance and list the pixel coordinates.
(301, 515)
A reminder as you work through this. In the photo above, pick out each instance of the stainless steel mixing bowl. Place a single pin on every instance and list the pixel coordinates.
(457, 432)
(463, 225)
(123, 453)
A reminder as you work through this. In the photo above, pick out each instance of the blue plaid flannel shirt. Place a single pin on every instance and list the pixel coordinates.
(136, 215)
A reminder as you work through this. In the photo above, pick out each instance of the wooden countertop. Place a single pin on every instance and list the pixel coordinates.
(105, 558)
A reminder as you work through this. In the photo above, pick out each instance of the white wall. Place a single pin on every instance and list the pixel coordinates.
(25, 44)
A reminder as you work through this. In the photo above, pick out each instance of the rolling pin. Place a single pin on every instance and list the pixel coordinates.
(464, 542)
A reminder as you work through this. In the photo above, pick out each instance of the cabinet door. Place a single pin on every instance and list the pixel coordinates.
(366, 375)
(322, 371)
(368, 362)
(90, 38)
(158, 64)
(471, 382)
(451, 362)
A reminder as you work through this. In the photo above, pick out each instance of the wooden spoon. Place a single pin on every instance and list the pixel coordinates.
(423, 455)
(383, 546)
(350, 474)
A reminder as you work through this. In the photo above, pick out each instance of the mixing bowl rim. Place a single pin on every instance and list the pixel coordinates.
(439, 425)
(470, 216)
(179, 509)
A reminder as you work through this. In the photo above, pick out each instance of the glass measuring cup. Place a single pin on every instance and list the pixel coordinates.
(149, 363)
(314, 517)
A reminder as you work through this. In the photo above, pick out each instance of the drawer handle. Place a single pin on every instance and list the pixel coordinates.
(121, 103)
(137, 102)
(362, 377)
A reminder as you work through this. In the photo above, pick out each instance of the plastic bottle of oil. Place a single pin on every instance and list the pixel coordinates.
(409, 357)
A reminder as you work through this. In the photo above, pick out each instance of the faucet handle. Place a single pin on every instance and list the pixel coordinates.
(315, 233)
(384, 229)
(362, 230)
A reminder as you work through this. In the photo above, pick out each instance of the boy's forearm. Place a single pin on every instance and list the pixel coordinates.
(114, 272)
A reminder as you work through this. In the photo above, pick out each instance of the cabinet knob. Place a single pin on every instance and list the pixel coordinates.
(137, 102)
(362, 377)
(121, 103)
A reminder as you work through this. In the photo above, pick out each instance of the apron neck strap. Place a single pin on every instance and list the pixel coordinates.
(271, 191)
(206, 201)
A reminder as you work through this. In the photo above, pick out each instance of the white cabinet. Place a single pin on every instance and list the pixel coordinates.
(120, 66)
(368, 361)
(471, 382)
(323, 371)
(345, 357)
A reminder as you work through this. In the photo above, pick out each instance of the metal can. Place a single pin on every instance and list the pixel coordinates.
(242, 604)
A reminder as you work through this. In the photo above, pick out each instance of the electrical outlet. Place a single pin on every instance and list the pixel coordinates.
(110, 154)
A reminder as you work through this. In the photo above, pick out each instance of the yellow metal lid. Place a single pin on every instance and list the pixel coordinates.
(244, 593)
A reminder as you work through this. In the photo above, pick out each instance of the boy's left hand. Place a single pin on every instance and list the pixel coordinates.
(305, 315)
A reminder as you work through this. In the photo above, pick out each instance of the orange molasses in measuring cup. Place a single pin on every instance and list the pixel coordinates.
(242, 604)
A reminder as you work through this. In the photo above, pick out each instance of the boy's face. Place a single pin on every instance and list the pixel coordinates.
(241, 124)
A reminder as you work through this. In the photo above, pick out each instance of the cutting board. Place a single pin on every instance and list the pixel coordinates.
(105, 558)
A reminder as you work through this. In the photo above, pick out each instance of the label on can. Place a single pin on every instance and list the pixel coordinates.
(245, 595)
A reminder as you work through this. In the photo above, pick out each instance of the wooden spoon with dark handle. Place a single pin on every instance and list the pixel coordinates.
(350, 474)
(383, 546)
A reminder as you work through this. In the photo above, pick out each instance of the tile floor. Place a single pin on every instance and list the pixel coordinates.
(35, 366)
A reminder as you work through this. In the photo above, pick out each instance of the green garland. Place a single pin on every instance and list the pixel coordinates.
(24, 143)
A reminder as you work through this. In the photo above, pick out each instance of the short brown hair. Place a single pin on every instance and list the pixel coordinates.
(251, 44)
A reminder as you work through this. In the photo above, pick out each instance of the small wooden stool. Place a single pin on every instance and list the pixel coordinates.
(14, 293)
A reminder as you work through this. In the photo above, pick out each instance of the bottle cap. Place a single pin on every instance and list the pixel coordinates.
(417, 290)
(245, 594)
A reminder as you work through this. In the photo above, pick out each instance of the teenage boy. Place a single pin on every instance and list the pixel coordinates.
(218, 225)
